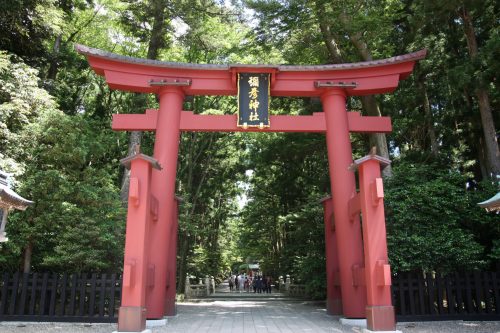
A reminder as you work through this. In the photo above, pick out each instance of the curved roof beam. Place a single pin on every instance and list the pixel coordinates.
(145, 75)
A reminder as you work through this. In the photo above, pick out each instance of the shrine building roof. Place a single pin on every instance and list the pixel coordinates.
(492, 203)
(9, 198)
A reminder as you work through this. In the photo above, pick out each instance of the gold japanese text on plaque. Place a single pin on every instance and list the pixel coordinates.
(253, 100)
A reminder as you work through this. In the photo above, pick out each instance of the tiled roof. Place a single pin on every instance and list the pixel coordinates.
(88, 51)
(9, 198)
(492, 203)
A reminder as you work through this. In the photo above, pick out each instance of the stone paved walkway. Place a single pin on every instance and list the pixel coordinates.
(253, 315)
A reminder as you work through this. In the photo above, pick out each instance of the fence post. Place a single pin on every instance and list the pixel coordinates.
(207, 284)
(187, 287)
(287, 282)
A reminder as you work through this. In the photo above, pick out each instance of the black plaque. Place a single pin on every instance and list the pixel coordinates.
(253, 100)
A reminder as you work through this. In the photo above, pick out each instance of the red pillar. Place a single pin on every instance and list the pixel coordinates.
(163, 188)
(343, 188)
(132, 313)
(170, 309)
(333, 295)
(379, 309)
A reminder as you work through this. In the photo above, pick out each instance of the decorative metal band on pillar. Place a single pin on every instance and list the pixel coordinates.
(163, 188)
(342, 182)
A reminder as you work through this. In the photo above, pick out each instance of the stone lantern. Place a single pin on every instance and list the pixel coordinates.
(9, 200)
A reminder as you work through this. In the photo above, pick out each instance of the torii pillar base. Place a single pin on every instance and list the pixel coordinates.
(132, 319)
(380, 318)
(365, 330)
(334, 307)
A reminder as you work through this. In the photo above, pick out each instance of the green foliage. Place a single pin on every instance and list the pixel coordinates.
(21, 103)
(76, 222)
(61, 164)
(26, 24)
(282, 225)
(433, 221)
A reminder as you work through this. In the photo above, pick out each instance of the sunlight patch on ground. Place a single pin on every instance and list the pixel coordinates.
(228, 304)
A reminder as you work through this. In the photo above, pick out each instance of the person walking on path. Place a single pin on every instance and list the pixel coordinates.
(241, 280)
(236, 282)
(231, 283)
(259, 284)
(268, 284)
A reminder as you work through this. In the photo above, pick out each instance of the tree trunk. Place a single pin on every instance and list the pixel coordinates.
(487, 121)
(482, 159)
(377, 139)
(156, 42)
(370, 105)
(429, 119)
(54, 61)
(328, 36)
(134, 139)
(182, 267)
(28, 251)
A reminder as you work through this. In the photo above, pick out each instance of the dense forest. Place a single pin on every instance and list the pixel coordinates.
(249, 197)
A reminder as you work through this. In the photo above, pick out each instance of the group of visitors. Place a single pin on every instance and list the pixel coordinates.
(244, 283)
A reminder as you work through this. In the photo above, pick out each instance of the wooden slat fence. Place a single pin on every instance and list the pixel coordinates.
(96, 297)
(466, 296)
(60, 297)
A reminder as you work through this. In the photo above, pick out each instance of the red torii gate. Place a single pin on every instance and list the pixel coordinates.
(149, 268)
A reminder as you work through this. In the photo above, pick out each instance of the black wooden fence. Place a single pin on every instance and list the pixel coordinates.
(467, 296)
(60, 297)
(96, 297)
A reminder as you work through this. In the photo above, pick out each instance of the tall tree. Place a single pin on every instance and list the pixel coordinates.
(483, 99)
(153, 13)
(25, 26)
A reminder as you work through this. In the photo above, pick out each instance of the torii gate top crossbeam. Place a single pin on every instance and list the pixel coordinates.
(140, 75)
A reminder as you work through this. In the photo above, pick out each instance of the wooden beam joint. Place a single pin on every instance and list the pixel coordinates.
(170, 82)
(333, 84)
